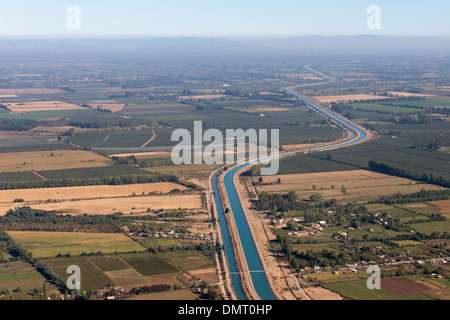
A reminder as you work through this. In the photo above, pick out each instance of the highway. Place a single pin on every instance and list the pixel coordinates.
(249, 247)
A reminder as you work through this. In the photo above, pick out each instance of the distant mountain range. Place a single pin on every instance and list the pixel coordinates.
(218, 48)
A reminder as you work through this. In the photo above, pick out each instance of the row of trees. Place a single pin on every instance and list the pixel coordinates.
(399, 172)
(72, 182)
(18, 124)
(143, 163)
(421, 196)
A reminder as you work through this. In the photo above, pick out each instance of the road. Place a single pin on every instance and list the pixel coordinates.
(246, 238)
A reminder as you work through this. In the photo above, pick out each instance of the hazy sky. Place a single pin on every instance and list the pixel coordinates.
(212, 18)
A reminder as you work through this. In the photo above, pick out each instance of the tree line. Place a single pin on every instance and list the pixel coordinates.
(18, 124)
(399, 172)
(73, 182)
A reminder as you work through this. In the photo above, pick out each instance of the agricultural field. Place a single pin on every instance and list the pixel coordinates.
(359, 185)
(123, 270)
(396, 151)
(94, 172)
(50, 160)
(50, 244)
(347, 98)
(379, 107)
(107, 105)
(20, 277)
(24, 107)
(87, 192)
(102, 200)
(358, 290)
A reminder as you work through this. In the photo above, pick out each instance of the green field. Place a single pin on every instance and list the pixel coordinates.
(188, 260)
(96, 172)
(91, 276)
(429, 227)
(378, 107)
(50, 244)
(18, 176)
(163, 243)
(109, 263)
(20, 274)
(149, 264)
(357, 290)
(437, 103)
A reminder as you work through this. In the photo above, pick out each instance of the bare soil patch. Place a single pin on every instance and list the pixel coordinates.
(402, 285)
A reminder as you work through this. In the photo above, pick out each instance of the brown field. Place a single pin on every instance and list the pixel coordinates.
(209, 275)
(113, 205)
(263, 109)
(319, 293)
(42, 106)
(114, 107)
(145, 155)
(347, 98)
(358, 184)
(50, 160)
(127, 279)
(441, 294)
(85, 192)
(166, 278)
(444, 207)
(402, 285)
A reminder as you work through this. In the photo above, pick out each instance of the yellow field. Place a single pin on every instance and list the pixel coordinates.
(264, 109)
(347, 98)
(50, 160)
(86, 192)
(42, 106)
(444, 207)
(145, 155)
(114, 107)
(100, 199)
(357, 183)
(49, 244)
(124, 205)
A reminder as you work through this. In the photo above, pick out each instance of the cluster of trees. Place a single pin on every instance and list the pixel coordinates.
(143, 163)
(152, 289)
(48, 273)
(279, 203)
(432, 145)
(72, 182)
(18, 124)
(298, 260)
(102, 124)
(8, 245)
(28, 219)
(399, 172)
